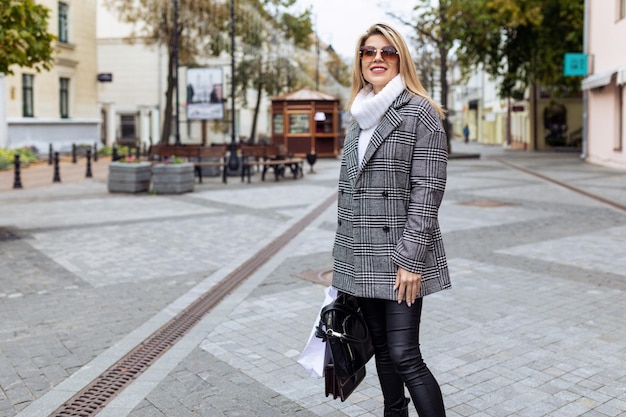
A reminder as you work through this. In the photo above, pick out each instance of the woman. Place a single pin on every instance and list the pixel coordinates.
(388, 248)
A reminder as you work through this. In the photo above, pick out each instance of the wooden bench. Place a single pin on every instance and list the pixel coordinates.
(194, 154)
(269, 156)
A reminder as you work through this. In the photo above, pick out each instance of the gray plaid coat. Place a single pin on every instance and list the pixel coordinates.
(388, 209)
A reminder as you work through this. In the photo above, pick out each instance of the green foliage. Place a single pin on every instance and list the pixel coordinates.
(7, 157)
(204, 31)
(105, 151)
(5, 161)
(339, 70)
(24, 37)
(522, 41)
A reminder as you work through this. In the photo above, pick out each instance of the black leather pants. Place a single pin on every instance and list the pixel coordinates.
(395, 335)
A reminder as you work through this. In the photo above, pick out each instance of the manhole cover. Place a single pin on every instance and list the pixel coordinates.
(6, 234)
(318, 276)
(486, 203)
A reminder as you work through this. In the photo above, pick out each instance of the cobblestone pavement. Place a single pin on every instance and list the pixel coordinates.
(535, 324)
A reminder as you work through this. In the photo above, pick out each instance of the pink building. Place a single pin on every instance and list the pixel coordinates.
(604, 86)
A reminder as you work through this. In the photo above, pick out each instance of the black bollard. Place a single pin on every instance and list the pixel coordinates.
(114, 156)
(73, 153)
(17, 181)
(50, 154)
(95, 152)
(57, 175)
(138, 152)
(88, 174)
(311, 158)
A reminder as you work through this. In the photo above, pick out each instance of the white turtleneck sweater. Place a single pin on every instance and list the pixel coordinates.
(369, 108)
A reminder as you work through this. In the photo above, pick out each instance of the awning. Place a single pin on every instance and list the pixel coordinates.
(597, 80)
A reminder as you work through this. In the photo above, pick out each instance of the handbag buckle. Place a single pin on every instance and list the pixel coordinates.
(332, 333)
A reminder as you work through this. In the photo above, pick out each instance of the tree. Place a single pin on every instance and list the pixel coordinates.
(24, 37)
(433, 27)
(522, 41)
(264, 26)
(337, 68)
(202, 31)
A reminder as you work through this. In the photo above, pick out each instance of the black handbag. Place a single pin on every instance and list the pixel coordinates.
(348, 344)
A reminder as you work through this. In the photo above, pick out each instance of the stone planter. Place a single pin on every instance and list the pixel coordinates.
(127, 177)
(172, 178)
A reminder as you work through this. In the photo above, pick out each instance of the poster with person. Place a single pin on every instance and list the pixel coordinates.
(204, 94)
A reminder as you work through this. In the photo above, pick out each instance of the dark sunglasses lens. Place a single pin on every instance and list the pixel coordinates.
(368, 51)
(388, 51)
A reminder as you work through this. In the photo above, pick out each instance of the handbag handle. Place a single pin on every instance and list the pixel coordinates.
(344, 337)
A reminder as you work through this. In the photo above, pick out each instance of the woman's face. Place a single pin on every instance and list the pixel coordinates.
(377, 65)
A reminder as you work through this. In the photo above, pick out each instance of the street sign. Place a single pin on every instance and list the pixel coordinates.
(575, 64)
(105, 77)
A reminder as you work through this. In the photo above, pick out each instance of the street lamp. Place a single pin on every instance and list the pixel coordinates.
(233, 161)
(176, 116)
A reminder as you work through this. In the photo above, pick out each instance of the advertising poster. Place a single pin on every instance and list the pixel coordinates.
(204, 94)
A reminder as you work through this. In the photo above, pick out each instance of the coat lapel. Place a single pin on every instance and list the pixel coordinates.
(390, 121)
(351, 150)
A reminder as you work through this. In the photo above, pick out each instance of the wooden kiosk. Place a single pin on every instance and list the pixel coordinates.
(306, 121)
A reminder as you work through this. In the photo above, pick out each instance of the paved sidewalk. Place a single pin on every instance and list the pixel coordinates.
(535, 324)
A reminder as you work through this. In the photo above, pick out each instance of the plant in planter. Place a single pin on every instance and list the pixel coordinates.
(129, 175)
(173, 176)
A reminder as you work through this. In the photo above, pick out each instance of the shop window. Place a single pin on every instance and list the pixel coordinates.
(619, 140)
(299, 123)
(278, 124)
(323, 122)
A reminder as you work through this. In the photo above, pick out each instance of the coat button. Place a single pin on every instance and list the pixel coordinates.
(385, 194)
(339, 221)
(386, 229)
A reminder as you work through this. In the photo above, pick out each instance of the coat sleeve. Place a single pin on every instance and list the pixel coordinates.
(427, 182)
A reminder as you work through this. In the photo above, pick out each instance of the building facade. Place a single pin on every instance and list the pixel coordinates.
(58, 107)
(605, 31)
(132, 93)
(525, 123)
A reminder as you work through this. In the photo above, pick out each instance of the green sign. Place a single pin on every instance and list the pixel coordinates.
(575, 64)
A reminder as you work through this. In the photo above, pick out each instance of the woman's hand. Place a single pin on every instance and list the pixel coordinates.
(408, 286)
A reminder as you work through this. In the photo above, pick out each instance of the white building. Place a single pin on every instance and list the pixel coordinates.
(133, 100)
(57, 107)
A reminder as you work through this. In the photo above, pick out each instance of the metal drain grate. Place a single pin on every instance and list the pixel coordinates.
(94, 397)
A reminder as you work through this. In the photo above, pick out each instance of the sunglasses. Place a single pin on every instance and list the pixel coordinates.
(386, 52)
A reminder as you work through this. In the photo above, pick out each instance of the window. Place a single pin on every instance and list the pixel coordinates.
(64, 95)
(127, 127)
(619, 145)
(28, 109)
(299, 123)
(278, 123)
(63, 22)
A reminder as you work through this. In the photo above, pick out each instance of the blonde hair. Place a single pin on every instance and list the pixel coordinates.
(405, 66)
